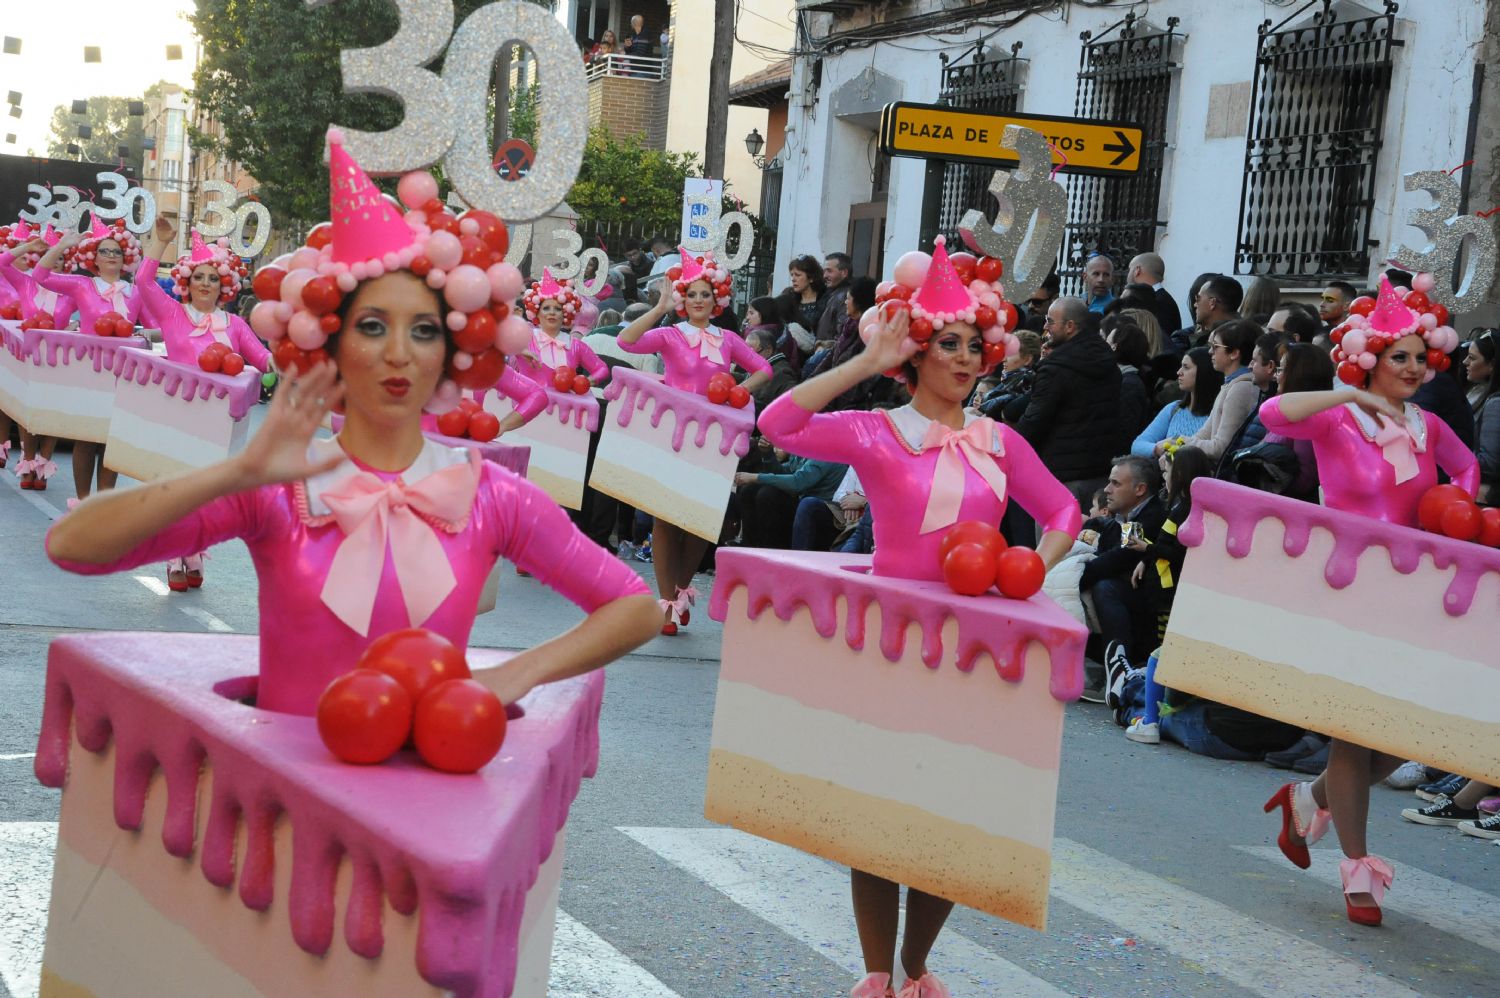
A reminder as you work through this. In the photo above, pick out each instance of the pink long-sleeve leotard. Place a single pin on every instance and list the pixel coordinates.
(685, 367)
(304, 645)
(185, 333)
(897, 479)
(553, 352)
(33, 297)
(529, 397)
(1353, 470)
(88, 294)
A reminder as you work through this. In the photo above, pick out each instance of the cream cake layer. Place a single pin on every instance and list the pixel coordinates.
(558, 439)
(12, 370)
(71, 381)
(169, 418)
(459, 866)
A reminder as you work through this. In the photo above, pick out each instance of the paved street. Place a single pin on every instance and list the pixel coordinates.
(1167, 879)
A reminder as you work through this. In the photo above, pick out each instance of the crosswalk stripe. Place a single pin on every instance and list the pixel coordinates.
(1446, 906)
(12, 757)
(1245, 950)
(809, 900)
(585, 965)
(25, 889)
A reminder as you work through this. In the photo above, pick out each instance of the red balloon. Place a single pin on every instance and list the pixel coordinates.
(484, 372)
(1353, 375)
(1462, 521)
(468, 405)
(969, 569)
(320, 235)
(1009, 317)
(920, 329)
(453, 423)
(963, 265)
(1363, 305)
(739, 396)
(899, 292)
(321, 295)
(421, 266)
(478, 333)
(330, 323)
(459, 727)
(105, 324)
(491, 229)
(581, 384)
(562, 378)
(1435, 359)
(211, 361)
(433, 206)
(267, 283)
(985, 317)
(364, 716)
(476, 252)
(416, 658)
(1489, 531)
(674, 272)
(1439, 311)
(1434, 502)
(994, 353)
(893, 308)
(232, 364)
(443, 221)
(971, 532)
(989, 269)
(1019, 572)
(484, 426)
(1417, 300)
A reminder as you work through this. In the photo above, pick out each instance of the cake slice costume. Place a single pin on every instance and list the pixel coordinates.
(94, 296)
(30, 297)
(24, 302)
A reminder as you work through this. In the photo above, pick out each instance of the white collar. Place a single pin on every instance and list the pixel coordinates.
(433, 458)
(912, 425)
(101, 285)
(1415, 424)
(198, 316)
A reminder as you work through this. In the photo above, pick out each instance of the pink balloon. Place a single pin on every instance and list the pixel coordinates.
(263, 320)
(587, 316)
(1366, 361)
(911, 269)
(292, 285)
(444, 250)
(1353, 342)
(1423, 283)
(513, 335)
(445, 398)
(305, 331)
(505, 282)
(884, 288)
(468, 288)
(416, 189)
(305, 257)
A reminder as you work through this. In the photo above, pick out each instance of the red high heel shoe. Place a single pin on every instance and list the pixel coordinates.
(177, 578)
(194, 567)
(1367, 875)
(1294, 851)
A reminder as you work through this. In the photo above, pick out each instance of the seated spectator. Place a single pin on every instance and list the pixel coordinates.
(1041, 299)
(1231, 347)
(818, 522)
(606, 46)
(767, 501)
(1297, 322)
(610, 322)
(871, 393)
(1195, 334)
(1262, 298)
(1484, 402)
(1200, 382)
(851, 306)
(1129, 345)
(1155, 341)
(783, 379)
(810, 292)
(797, 339)
(1006, 402)
(763, 313)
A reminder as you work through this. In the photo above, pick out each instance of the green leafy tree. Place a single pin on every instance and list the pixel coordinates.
(112, 126)
(623, 180)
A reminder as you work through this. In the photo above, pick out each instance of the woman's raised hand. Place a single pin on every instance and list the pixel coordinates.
(1378, 405)
(278, 453)
(889, 346)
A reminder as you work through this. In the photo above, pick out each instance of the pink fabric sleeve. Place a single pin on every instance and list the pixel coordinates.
(72, 285)
(12, 276)
(748, 360)
(651, 341)
(1456, 460)
(528, 396)
(248, 345)
(540, 539)
(223, 519)
(1312, 428)
(589, 361)
(818, 436)
(155, 303)
(1038, 491)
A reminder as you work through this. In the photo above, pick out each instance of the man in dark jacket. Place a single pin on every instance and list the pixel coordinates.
(836, 270)
(783, 378)
(1072, 417)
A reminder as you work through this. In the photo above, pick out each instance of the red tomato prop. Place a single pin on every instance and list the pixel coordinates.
(232, 364)
(484, 426)
(1434, 502)
(989, 269)
(211, 360)
(969, 569)
(417, 658)
(267, 283)
(453, 423)
(1019, 572)
(460, 725)
(920, 329)
(321, 295)
(581, 384)
(719, 387)
(468, 405)
(1462, 521)
(1489, 531)
(971, 532)
(364, 716)
(739, 397)
(484, 372)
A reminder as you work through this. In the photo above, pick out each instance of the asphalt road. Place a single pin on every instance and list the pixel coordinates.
(1166, 882)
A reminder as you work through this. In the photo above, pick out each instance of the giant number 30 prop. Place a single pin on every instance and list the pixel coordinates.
(1030, 202)
(446, 116)
(1447, 229)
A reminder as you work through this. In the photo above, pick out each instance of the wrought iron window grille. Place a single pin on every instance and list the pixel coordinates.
(1317, 123)
(1127, 76)
(983, 83)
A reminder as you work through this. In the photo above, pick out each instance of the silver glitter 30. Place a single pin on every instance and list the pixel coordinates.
(1447, 229)
(1028, 228)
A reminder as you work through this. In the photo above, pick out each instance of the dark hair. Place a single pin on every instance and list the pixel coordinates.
(1053, 284)
(630, 244)
(1195, 287)
(1487, 342)
(1101, 498)
(1346, 289)
(809, 265)
(788, 307)
(1238, 337)
(844, 260)
(759, 337)
(1262, 296)
(862, 292)
(1137, 296)
(768, 308)
(1305, 368)
(1130, 346)
(663, 240)
(1227, 290)
(1206, 383)
(1187, 465)
(1269, 345)
(1398, 278)
(1300, 326)
(1143, 470)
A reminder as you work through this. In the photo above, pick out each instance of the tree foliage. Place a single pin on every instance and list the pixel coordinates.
(622, 180)
(112, 124)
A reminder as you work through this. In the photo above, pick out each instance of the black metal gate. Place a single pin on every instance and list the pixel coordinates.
(990, 85)
(1317, 121)
(1128, 77)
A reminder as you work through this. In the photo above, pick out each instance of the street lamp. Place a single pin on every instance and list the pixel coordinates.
(754, 143)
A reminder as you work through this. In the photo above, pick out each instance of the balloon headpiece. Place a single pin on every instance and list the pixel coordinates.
(1375, 323)
(230, 267)
(368, 236)
(85, 255)
(548, 289)
(940, 289)
(698, 268)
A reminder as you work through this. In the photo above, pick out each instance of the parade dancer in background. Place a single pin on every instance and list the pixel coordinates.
(23, 250)
(552, 308)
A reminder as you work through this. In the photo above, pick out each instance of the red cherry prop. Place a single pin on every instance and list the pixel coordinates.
(920, 329)
(453, 423)
(963, 265)
(232, 364)
(267, 283)
(562, 378)
(468, 406)
(478, 332)
(1417, 301)
(124, 327)
(985, 317)
(969, 569)
(11, 311)
(581, 384)
(459, 726)
(105, 324)
(1489, 530)
(364, 716)
(1363, 305)
(1434, 502)
(484, 372)
(717, 393)
(321, 295)
(211, 361)
(971, 532)
(1019, 573)
(739, 396)
(484, 426)
(1462, 521)
(989, 269)
(320, 235)
(416, 658)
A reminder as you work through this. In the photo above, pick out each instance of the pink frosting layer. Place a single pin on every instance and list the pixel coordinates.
(640, 388)
(459, 851)
(60, 346)
(1241, 509)
(190, 382)
(570, 408)
(13, 337)
(992, 625)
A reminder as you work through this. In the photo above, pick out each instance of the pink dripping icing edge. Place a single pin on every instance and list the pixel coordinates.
(569, 407)
(1242, 509)
(60, 347)
(168, 703)
(639, 388)
(992, 624)
(190, 382)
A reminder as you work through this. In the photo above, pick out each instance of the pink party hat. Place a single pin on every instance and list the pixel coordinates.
(691, 268)
(21, 232)
(200, 253)
(942, 293)
(1391, 317)
(51, 235)
(550, 288)
(366, 225)
(99, 230)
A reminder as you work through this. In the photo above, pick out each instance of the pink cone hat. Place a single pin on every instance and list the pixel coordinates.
(51, 235)
(942, 293)
(366, 225)
(691, 268)
(550, 288)
(1392, 317)
(21, 232)
(200, 252)
(99, 230)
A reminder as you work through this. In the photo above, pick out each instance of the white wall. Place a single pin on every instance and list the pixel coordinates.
(1426, 121)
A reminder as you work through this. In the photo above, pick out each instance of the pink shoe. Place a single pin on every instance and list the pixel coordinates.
(873, 986)
(926, 986)
(1490, 805)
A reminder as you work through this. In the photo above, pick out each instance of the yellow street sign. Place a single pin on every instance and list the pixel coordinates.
(1079, 145)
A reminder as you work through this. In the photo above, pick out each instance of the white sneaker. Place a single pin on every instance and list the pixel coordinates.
(1146, 734)
(1407, 776)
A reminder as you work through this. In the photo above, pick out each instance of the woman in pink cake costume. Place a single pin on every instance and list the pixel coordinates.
(1377, 454)
(552, 307)
(23, 249)
(109, 253)
(924, 466)
(206, 279)
(379, 528)
(692, 352)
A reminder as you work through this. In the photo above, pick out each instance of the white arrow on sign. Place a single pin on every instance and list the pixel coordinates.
(25, 885)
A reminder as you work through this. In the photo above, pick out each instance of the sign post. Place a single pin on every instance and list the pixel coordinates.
(1079, 145)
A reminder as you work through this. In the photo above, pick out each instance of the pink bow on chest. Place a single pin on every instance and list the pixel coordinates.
(117, 295)
(374, 514)
(549, 351)
(708, 342)
(1399, 446)
(215, 324)
(975, 445)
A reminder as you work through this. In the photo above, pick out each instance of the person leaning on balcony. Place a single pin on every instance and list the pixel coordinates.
(638, 44)
(605, 46)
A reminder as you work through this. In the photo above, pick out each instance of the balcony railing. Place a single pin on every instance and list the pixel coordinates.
(634, 67)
